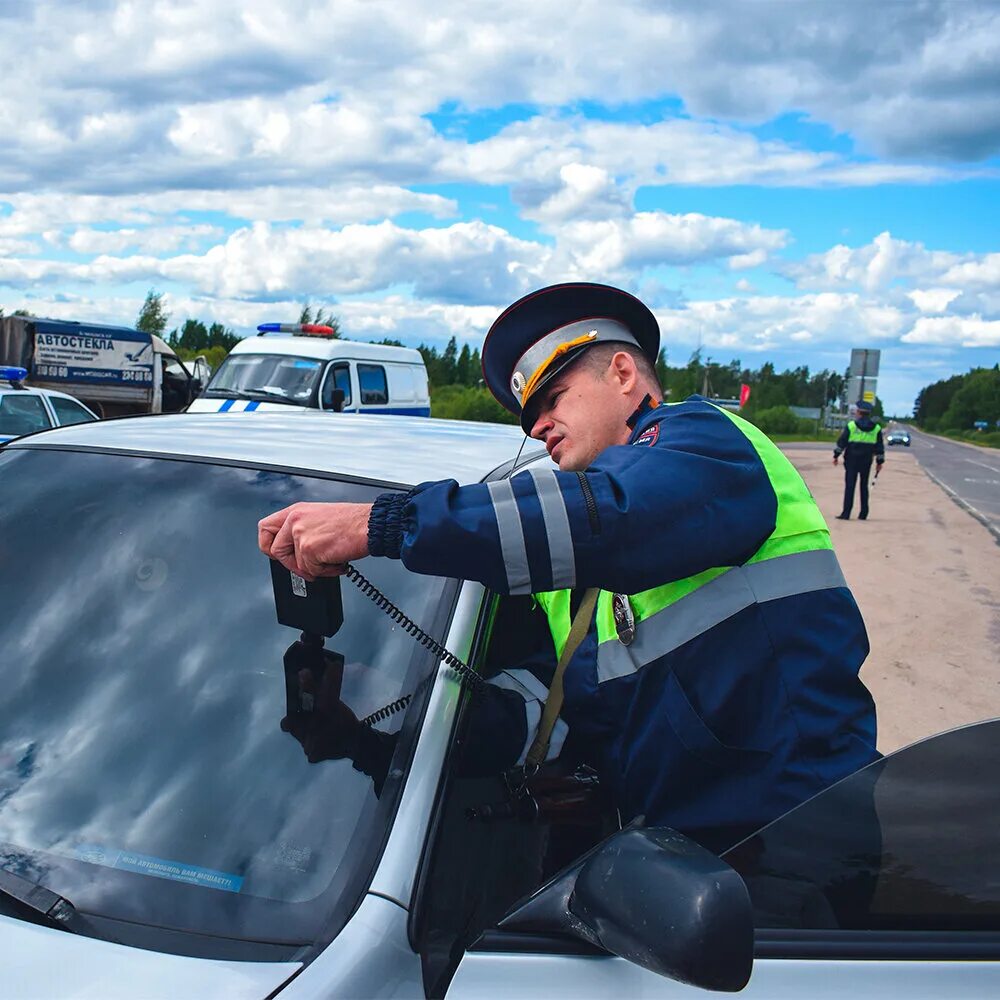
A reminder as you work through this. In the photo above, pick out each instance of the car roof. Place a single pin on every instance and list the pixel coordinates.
(389, 449)
(6, 387)
(325, 348)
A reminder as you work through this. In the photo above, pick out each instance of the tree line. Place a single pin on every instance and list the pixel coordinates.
(954, 405)
(458, 391)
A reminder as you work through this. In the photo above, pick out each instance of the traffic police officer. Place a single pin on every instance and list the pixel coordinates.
(717, 686)
(859, 442)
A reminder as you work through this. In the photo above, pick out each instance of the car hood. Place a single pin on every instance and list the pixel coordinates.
(42, 962)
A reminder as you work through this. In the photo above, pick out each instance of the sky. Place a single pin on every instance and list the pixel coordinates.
(778, 181)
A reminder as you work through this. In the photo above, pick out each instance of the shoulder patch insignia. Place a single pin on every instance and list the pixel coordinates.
(649, 436)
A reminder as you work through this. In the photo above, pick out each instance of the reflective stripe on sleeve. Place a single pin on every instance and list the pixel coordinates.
(515, 555)
(718, 600)
(523, 682)
(557, 530)
(534, 692)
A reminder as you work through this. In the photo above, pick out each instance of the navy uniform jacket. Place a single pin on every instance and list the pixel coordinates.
(714, 738)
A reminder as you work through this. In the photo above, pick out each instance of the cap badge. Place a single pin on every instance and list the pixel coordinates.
(518, 382)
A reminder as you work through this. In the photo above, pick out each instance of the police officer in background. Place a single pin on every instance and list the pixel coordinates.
(859, 442)
(717, 684)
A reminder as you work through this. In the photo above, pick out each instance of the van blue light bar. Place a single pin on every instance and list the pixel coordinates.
(13, 374)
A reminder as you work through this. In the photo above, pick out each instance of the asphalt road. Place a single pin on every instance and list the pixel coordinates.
(971, 475)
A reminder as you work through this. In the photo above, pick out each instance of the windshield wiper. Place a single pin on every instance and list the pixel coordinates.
(259, 394)
(57, 911)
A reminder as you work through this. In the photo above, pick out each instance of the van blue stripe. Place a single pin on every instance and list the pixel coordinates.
(402, 411)
(227, 405)
(252, 406)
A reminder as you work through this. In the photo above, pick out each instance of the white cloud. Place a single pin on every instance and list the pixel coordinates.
(467, 262)
(933, 300)
(650, 239)
(954, 331)
(154, 240)
(874, 266)
(249, 94)
(584, 192)
(768, 322)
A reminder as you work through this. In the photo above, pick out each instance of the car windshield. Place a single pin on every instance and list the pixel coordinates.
(282, 376)
(144, 773)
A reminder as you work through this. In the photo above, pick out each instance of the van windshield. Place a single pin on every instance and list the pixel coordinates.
(283, 377)
(144, 771)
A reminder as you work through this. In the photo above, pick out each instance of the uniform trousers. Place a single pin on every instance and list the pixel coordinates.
(853, 469)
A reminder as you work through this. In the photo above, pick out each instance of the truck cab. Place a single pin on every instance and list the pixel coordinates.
(294, 365)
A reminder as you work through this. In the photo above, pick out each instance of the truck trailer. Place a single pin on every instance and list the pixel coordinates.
(115, 370)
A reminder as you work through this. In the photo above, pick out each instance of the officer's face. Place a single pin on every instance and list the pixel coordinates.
(581, 412)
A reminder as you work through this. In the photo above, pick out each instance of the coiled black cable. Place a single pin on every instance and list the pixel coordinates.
(466, 674)
(386, 710)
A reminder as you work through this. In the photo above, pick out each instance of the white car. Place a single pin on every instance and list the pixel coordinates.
(24, 410)
(164, 835)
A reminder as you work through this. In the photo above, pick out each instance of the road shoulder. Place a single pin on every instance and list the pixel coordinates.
(926, 576)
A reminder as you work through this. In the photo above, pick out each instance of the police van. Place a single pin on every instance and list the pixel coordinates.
(307, 365)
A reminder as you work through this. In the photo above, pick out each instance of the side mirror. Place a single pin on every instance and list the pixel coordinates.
(655, 898)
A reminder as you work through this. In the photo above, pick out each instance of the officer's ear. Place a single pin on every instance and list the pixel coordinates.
(624, 371)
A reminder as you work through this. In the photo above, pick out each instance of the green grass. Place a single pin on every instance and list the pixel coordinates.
(985, 439)
(830, 436)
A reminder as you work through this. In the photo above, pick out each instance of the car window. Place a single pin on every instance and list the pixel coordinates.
(68, 411)
(374, 388)
(911, 842)
(144, 773)
(482, 859)
(339, 378)
(22, 413)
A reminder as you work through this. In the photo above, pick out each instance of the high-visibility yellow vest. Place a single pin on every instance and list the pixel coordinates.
(855, 435)
(797, 557)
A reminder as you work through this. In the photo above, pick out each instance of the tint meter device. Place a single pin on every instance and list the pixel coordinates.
(311, 606)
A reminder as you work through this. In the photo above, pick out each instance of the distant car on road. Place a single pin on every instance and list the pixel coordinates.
(898, 436)
(24, 410)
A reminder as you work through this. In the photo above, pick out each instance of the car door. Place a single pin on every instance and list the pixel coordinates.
(887, 882)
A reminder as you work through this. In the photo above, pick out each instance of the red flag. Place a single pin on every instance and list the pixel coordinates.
(744, 394)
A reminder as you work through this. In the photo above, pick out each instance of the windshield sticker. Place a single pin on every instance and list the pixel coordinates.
(144, 864)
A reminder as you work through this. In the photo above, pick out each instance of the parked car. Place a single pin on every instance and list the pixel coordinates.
(24, 410)
(898, 436)
(163, 836)
(296, 366)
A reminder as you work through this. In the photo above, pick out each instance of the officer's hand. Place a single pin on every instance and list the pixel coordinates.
(316, 539)
(330, 731)
(834, 459)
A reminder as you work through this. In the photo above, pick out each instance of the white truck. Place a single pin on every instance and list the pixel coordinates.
(115, 370)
